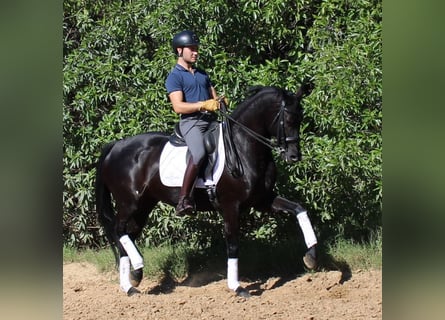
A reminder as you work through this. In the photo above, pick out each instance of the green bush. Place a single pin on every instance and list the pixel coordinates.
(118, 54)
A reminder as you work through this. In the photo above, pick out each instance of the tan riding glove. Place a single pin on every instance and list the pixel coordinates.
(209, 105)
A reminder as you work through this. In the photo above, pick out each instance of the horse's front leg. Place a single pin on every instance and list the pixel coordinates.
(231, 231)
(280, 204)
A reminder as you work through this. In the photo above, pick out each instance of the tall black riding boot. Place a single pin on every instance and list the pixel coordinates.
(185, 203)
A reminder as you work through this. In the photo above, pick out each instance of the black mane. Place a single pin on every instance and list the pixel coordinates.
(254, 97)
(253, 90)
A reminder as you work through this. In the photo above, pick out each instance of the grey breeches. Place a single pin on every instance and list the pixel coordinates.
(193, 130)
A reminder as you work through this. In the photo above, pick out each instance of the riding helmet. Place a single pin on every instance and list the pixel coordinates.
(184, 39)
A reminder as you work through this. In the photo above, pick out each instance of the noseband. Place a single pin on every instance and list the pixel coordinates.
(282, 139)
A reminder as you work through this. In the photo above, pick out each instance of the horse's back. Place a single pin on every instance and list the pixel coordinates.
(134, 155)
(127, 148)
(143, 141)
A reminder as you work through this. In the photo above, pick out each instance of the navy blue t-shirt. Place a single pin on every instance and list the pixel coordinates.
(195, 87)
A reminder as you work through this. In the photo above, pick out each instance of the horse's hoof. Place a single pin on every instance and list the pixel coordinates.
(241, 292)
(136, 277)
(132, 291)
(309, 259)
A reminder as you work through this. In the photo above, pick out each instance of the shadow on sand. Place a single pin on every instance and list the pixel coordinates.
(253, 268)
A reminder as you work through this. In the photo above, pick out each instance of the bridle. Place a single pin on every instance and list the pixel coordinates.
(233, 160)
(282, 140)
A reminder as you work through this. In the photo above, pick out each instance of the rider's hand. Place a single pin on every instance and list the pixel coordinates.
(209, 105)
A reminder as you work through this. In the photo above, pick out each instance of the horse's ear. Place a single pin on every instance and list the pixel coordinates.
(306, 88)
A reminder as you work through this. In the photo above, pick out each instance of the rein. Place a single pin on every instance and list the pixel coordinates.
(260, 138)
(233, 160)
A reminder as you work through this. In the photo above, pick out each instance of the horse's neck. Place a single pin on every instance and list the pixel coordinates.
(254, 153)
(250, 142)
(255, 118)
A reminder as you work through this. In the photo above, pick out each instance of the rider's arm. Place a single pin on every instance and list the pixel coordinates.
(181, 107)
(213, 94)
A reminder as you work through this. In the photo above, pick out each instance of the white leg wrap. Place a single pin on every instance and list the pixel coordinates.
(232, 273)
(306, 227)
(135, 258)
(124, 273)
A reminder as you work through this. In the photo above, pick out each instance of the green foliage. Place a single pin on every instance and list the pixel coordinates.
(116, 58)
(358, 255)
(167, 261)
(341, 177)
(102, 259)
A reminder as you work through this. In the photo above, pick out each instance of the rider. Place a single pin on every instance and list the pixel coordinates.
(193, 97)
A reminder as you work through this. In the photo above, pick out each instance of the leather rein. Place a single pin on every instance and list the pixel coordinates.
(282, 139)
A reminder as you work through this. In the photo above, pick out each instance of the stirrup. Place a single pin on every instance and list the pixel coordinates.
(185, 207)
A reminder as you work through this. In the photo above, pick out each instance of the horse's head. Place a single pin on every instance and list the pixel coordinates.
(281, 115)
(288, 123)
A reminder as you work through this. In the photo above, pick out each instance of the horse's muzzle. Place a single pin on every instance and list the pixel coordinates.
(291, 156)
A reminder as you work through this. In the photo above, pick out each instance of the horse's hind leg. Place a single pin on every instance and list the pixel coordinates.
(135, 258)
(140, 219)
(129, 254)
(136, 277)
(124, 275)
(284, 205)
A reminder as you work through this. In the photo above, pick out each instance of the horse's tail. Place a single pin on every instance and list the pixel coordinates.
(104, 207)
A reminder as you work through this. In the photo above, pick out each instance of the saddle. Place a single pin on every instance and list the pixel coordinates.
(211, 141)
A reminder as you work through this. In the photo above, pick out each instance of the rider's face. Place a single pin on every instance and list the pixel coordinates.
(190, 54)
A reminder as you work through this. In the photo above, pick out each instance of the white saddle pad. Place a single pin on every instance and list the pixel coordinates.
(172, 165)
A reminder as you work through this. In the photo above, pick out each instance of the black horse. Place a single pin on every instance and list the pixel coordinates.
(129, 170)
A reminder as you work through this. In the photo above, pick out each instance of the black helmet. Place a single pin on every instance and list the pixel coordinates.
(184, 39)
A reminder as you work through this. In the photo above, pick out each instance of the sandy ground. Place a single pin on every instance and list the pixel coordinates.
(89, 294)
